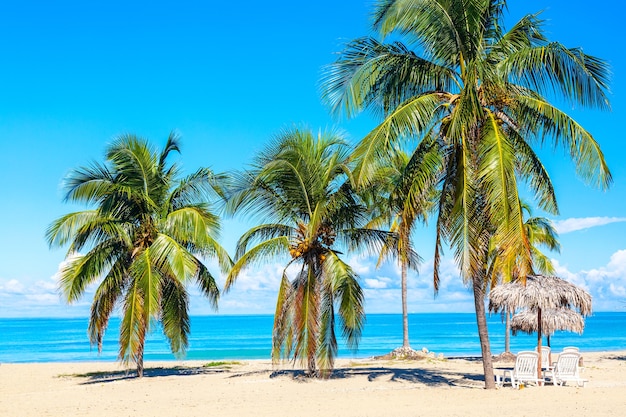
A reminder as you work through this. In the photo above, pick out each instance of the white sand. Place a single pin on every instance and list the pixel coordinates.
(252, 388)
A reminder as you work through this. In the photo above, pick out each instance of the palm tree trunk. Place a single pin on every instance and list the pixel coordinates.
(140, 362)
(483, 333)
(312, 367)
(405, 312)
(507, 332)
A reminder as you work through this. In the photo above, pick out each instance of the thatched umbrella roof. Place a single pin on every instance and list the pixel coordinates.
(551, 321)
(539, 292)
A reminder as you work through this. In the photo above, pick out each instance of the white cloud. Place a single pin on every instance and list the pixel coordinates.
(581, 223)
(23, 298)
(362, 265)
(606, 284)
(377, 283)
(48, 299)
(12, 286)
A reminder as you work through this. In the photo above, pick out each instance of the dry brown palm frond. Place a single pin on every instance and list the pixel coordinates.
(551, 321)
(539, 292)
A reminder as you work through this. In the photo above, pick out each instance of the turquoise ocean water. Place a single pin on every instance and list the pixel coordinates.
(249, 337)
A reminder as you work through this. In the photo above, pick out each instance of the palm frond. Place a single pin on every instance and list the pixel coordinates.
(63, 229)
(191, 225)
(202, 185)
(532, 169)
(349, 295)
(370, 74)
(145, 272)
(133, 327)
(327, 349)
(79, 271)
(306, 316)
(104, 301)
(283, 321)
(261, 233)
(208, 285)
(425, 24)
(89, 184)
(257, 254)
(526, 33)
(216, 251)
(175, 315)
(497, 173)
(172, 145)
(409, 119)
(553, 68)
(581, 145)
(465, 225)
(167, 251)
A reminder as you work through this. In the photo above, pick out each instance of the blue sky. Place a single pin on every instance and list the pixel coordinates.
(75, 74)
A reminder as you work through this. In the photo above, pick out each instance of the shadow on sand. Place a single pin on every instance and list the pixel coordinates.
(413, 375)
(101, 377)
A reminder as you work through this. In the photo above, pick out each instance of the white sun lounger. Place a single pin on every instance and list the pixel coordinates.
(525, 370)
(567, 370)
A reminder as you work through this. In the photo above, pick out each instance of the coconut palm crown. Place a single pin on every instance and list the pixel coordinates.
(299, 188)
(462, 86)
(141, 243)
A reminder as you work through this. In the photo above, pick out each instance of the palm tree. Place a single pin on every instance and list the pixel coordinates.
(476, 95)
(399, 198)
(299, 187)
(141, 242)
(540, 232)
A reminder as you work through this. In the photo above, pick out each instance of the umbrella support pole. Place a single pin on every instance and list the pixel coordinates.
(539, 336)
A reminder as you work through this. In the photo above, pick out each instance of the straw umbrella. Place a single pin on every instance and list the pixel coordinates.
(552, 320)
(539, 293)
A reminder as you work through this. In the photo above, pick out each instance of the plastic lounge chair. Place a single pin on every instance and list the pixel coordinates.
(567, 370)
(581, 368)
(525, 370)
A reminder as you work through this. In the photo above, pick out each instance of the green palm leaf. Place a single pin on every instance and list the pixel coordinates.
(257, 254)
(133, 327)
(105, 298)
(349, 294)
(550, 68)
(175, 315)
(410, 118)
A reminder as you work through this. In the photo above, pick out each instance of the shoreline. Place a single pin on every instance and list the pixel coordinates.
(358, 387)
(345, 358)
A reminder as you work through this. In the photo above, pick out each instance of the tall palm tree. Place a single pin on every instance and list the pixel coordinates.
(141, 242)
(463, 87)
(399, 198)
(299, 186)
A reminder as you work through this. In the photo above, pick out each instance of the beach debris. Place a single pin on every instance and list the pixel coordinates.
(504, 357)
(407, 353)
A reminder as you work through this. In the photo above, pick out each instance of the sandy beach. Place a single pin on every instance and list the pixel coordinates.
(364, 387)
